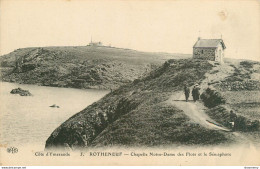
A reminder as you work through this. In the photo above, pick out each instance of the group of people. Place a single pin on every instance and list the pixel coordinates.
(195, 92)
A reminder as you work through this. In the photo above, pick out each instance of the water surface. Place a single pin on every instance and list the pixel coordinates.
(26, 120)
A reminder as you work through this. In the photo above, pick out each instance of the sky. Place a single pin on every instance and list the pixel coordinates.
(171, 26)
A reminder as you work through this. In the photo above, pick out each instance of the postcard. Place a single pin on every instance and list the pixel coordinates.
(119, 83)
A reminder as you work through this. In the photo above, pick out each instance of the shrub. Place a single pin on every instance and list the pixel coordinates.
(212, 98)
(4, 64)
(247, 64)
(28, 67)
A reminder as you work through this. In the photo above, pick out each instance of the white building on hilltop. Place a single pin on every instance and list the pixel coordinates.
(95, 43)
(209, 49)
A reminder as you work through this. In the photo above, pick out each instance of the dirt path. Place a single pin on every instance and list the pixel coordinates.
(195, 111)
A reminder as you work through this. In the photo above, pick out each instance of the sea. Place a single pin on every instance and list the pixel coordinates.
(29, 120)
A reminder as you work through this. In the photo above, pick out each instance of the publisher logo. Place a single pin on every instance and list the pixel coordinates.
(12, 150)
(251, 167)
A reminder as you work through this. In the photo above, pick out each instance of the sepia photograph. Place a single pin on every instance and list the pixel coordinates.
(129, 83)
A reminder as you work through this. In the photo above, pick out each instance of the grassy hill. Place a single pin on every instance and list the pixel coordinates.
(138, 114)
(79, 66)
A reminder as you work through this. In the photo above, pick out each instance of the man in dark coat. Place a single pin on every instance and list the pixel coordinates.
(186, 92)
(196, 93)
(193, 93)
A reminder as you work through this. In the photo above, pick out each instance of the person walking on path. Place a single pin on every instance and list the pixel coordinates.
(193, 94)
(186, 92)
(196, 93)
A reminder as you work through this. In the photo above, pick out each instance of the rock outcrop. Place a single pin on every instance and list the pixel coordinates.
(21, 92)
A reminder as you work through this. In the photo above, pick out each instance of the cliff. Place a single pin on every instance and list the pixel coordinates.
(79, 66)
(139, 114)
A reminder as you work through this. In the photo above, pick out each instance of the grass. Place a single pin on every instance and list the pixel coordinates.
(165, 126)
(245, 103)
(137, 114)
(79, 66)
(244, 100)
